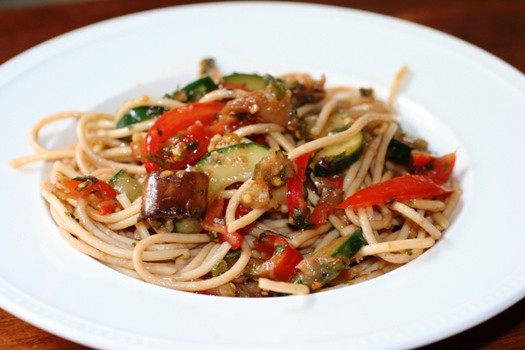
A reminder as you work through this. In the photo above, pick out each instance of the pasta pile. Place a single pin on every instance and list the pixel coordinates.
(284, 228)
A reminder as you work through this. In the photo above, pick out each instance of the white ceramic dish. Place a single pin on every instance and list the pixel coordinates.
(458, 97)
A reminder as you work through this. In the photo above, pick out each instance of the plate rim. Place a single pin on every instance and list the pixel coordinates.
(24, 314)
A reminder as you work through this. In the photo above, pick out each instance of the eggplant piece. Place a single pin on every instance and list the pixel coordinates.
(174, 195)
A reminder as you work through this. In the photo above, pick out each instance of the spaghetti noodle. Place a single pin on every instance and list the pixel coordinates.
(249, 185)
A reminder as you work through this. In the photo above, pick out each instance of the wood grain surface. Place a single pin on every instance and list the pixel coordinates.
(495, 26)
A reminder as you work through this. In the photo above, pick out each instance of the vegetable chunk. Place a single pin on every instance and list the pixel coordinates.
(174, 194)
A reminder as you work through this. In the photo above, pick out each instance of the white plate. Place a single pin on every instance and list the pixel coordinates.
(458, 97)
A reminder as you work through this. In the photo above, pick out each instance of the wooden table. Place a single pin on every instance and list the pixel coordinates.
(496, 26)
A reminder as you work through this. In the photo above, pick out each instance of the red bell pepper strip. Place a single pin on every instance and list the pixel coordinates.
(281, 257)
(401, 188)
(83, 187)
(297, 204)
(213, 222)
(175, 122)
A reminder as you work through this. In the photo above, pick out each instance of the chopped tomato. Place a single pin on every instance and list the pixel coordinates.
(190, 145)
(234, 238)
(329, 198)
(266, 244)
(230, 123)
(181, 121)
(281, 257)
(214, 222)
(420, 159)
(441, 168)
(106, 207)
(83, 187)
(401, 188)
(321, 213)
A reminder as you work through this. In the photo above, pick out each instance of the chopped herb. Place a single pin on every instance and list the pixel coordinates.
(262, 237)
(282, 173)
(232, 255)
(154, 159)
(71, 216)
(301, 219)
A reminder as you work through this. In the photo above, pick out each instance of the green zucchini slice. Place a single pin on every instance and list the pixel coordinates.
(139, 114)
(228, 165)
(339, 156)
(187, 225)
(122, 182)
(344, 248)
(399, 152)
(200, 87)
(252, 82)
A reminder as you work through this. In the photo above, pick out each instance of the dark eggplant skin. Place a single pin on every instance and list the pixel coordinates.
(173, 194)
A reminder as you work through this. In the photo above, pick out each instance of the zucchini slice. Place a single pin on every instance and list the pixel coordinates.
(339, 156)
(200, 87)
(337, 122)
(122, 182)
(252, 82)
(228, 165)
(187, 225)
(139, 114)
(344, 248)
(399, 152)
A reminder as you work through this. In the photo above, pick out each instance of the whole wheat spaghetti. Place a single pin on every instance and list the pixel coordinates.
(249, 185)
